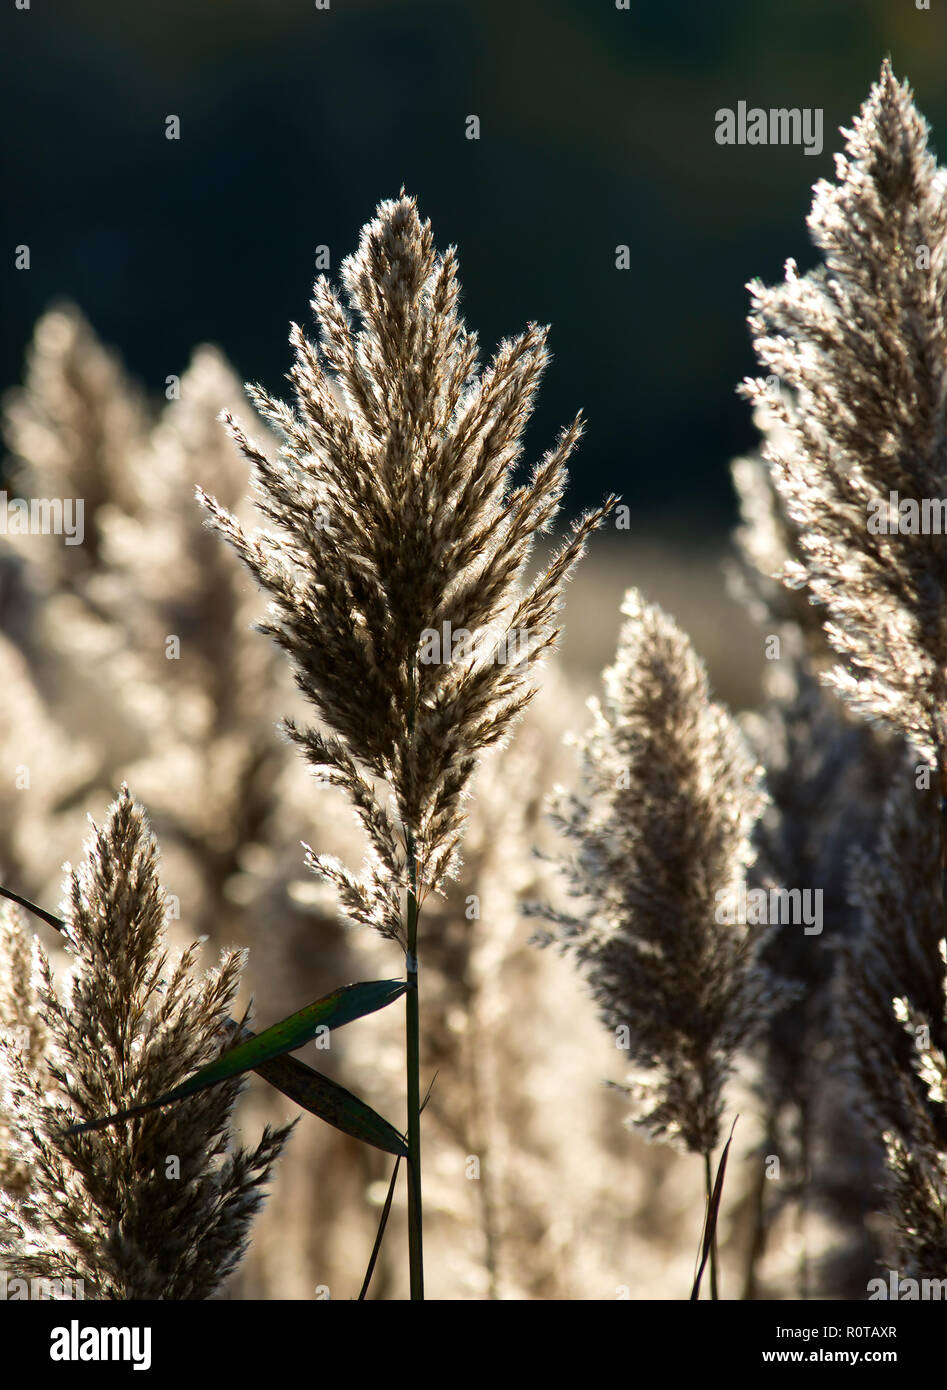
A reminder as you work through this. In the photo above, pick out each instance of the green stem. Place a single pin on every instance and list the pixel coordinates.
(413, 1061)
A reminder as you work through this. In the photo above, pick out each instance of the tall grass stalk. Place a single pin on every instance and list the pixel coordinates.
(413, 1064)
(397, 524)
(661, 831)
(858, 345)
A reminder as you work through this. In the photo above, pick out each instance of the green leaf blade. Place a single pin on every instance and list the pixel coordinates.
(342, 1006)
(333, 1103)
(333, 1010)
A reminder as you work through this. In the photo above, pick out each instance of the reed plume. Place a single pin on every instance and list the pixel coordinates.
(662, 827)
(159, 1208)
(858, 345)
(140, 664)
(71, 429)
(396, 574)
(894, 1003)
(827, 774)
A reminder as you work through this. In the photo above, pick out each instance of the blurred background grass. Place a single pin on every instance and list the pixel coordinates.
(597, 129)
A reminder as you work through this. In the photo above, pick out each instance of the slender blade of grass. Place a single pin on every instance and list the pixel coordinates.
(40, 912)
(387, 1209)
(342, 1006)
(332, 1103)
(381, 1231)
(713, 1210)
(302, 1084)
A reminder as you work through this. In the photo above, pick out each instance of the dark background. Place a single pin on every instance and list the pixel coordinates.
(597, 128)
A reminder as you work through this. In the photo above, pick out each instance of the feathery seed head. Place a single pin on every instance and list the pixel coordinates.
(159, 1207)
(859, 346)
(397, 523)
(894, 1004)
(662, 827)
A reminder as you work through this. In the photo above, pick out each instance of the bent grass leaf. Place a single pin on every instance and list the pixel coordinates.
(387, 1208)
(713, 1211)
(332, 1103)
(40, 912)
(300, 1083)
(342, 1006)
(366, 1283)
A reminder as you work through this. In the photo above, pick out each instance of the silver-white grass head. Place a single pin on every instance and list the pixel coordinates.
(859, 347)
(72, 428)
(397, 566)
(110, 1208)
(661, 830)
(767, 545)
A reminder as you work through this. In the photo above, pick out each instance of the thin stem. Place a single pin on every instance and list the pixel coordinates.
(413, 1037)
(708, 1242)
(366, 1283)
(709, 1184)
(413, 1062)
